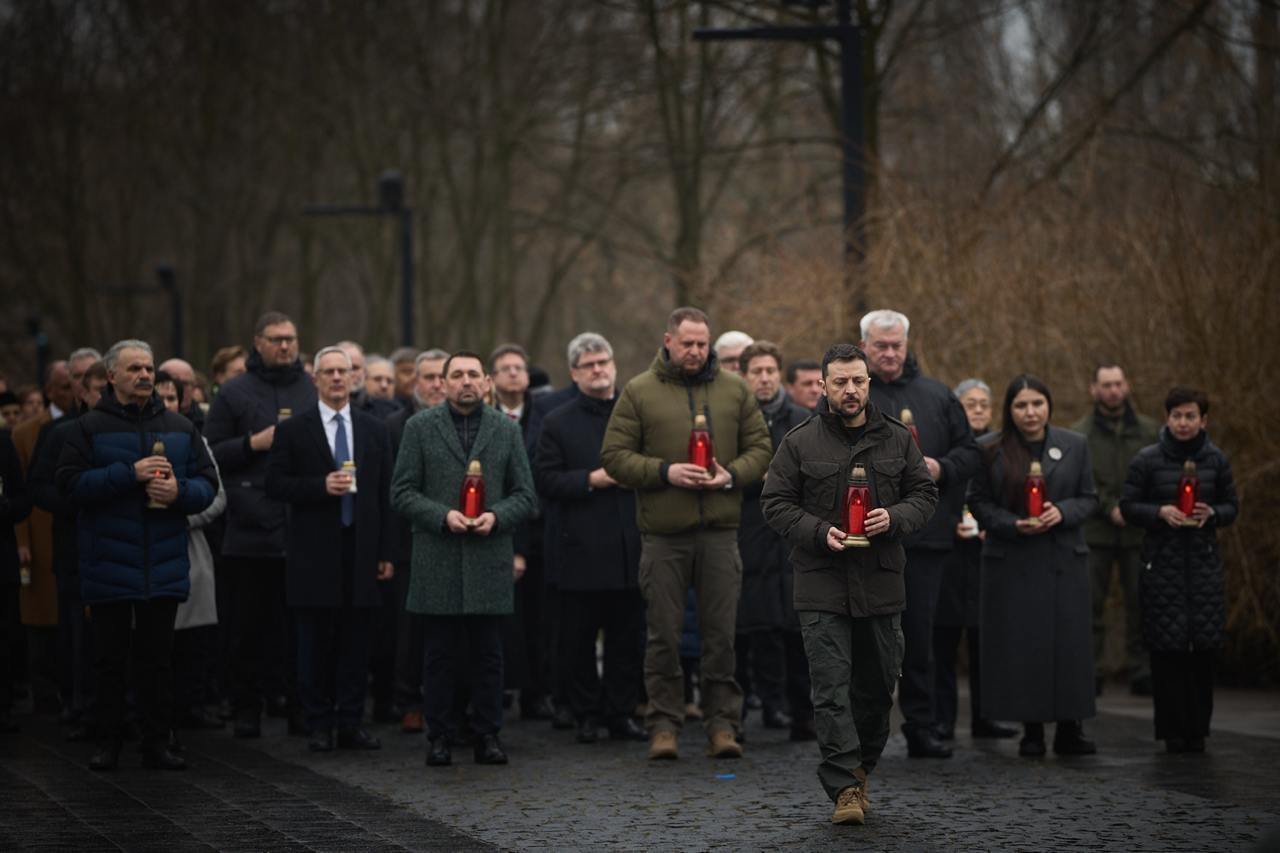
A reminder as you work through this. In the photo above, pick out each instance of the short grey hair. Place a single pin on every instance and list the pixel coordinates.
(323, 351)
(733, 338)
(84, 352)
(969, 384)
(433, 354)
(585, 343)
(113, 354)
(349, 346)
(371, 360)
(884, 320)
(400, 355)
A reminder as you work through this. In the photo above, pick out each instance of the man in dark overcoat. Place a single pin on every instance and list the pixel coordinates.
(341, 541)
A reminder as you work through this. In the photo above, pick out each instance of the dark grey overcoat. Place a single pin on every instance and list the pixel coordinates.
(1036, 608)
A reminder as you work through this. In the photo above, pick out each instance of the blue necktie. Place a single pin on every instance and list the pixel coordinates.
(341, 455)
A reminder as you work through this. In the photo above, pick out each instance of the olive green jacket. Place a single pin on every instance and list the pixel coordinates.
(1111, 451)
(455, 574)
(649, 429)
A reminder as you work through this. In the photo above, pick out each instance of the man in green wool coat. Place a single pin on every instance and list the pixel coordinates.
(462, 570)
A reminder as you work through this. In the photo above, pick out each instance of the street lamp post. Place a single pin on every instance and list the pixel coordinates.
(390, 203)
(853, 142)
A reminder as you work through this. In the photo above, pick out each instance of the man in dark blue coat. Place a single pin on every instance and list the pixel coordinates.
(134, 472)
(941, 430)
(240, 429)
(340, 544)
(593, 538)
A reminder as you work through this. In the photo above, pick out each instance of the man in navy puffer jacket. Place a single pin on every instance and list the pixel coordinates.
(134, 472)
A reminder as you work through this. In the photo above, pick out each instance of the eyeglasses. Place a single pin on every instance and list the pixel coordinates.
(280, 340)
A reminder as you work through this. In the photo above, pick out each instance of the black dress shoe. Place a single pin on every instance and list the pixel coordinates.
(248, 724)
(588, 732)
(922, 744)
(1030, 747)
(489, 750)
(158, 757)
(625, 728)
(775, 718)
(945, 731)
(107, 757)
(986, 728)
(357, 738)
(1069, 739)
(438, 754)
(321, 740)
(803, 730)
(562, 719)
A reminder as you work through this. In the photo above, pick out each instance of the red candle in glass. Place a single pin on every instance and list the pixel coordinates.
(909, 421)
(471, 500)
(1188, 491)
(700, 447)
(1033, 488)
(857, 503)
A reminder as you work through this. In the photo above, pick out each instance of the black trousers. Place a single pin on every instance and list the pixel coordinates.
(915, 689)
(10, 629)
(193, 650)
(527, 649)
(799, 688)
(382, 647)
(762, 665)
(1182, 690)
(333, 664)
(620, 615)
(140, 632)
(946, 642)
(408, 676)
(75, 651)
(468, 647)
(264, 644)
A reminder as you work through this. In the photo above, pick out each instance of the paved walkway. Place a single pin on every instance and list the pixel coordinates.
(272, 794)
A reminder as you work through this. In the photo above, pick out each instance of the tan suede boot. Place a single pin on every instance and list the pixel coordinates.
(662, 745)
(724, 745)
(862, 790)
(849, 806)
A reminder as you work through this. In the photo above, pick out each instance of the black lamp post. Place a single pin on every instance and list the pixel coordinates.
(390, 203)
(853, 142)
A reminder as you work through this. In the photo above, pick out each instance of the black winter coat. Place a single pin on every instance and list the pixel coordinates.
(15, 505)
(300, 461)
(591, 534)
(1183, 603)
(944, 435)
(247, 404)
(45, 494)
(767, 584)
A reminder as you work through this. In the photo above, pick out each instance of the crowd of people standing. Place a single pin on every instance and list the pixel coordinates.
(730, 530)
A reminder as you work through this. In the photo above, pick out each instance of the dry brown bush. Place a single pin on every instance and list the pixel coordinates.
(1180, 291)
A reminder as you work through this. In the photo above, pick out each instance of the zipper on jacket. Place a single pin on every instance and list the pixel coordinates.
(146, 522)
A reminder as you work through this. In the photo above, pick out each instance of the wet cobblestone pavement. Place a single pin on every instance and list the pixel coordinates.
(272, 794)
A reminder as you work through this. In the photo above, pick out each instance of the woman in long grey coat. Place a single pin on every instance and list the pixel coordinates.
(1036, 617)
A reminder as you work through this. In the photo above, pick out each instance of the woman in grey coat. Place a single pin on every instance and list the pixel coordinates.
(1036, 616)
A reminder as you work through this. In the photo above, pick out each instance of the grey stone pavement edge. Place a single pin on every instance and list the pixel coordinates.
(272, 794)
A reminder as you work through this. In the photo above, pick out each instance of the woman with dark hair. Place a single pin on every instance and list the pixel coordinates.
(1036, 616)
(1183, 604)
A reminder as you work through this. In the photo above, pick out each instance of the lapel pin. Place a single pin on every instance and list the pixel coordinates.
(1055, 453)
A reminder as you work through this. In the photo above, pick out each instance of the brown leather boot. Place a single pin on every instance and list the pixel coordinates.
(662, 746)
(849, 806)
(724, 745)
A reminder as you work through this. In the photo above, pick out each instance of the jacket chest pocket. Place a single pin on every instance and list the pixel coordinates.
(888, 479)
(820, 485)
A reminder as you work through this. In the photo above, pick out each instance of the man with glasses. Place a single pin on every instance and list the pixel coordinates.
(241, 429)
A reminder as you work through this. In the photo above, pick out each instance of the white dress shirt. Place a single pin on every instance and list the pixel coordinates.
(327, 417)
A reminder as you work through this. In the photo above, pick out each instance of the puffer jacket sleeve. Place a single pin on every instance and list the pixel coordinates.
(754, 445)
(919, 495)
(408, 492)
(620, 452)
(84, 484)
(1135, 499)
(780, 501)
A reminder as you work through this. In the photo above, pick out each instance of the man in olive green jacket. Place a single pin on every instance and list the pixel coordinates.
(688, 519)
(1115, 433)
(849, 599)
(462, 568)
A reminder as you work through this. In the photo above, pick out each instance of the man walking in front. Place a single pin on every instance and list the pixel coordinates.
(849, 599)
(688, 517)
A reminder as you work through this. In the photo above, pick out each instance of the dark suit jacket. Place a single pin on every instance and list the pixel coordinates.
(296, 469)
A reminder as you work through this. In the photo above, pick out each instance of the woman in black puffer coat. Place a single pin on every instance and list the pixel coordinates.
(1183, 603)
